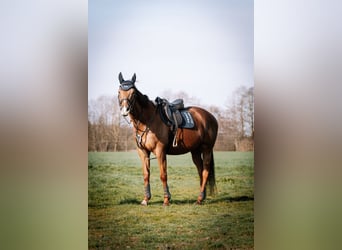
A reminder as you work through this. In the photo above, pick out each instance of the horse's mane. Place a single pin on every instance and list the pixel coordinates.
(142, 99)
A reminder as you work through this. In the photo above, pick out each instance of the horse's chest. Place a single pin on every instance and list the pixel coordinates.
(150, 140)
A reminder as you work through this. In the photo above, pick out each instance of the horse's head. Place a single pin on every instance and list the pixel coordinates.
(127, 94)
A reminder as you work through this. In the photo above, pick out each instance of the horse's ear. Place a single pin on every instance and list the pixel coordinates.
(134, 78)
(121, 80)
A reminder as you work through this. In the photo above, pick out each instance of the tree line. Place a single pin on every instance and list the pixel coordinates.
(109, 131)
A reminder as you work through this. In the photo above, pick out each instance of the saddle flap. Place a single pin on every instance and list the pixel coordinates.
(168, 112)
(177, 117)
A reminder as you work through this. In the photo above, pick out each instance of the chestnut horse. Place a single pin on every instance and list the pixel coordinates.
(153, 135)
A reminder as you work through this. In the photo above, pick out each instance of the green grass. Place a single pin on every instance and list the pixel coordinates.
(117, 221)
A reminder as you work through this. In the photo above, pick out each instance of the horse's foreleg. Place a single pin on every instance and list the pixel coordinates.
(145, 159)
(163, 177)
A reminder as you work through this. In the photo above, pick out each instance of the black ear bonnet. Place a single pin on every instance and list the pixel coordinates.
(126, 84)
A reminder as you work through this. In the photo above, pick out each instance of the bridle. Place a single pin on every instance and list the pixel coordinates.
(130, 102)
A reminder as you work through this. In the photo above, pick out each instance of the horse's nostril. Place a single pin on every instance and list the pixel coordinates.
(124, 111)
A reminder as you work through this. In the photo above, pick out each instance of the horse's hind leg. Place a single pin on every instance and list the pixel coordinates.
(206, 161)
(197, 159)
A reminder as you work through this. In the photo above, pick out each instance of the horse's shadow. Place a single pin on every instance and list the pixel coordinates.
(227, 199)
(233, 199)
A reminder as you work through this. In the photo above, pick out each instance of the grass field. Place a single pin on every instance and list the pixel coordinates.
(117, 221)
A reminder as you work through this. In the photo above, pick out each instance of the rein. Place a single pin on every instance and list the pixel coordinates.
(136, 123)
(138, 138)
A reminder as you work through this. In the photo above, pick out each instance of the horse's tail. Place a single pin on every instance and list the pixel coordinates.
(211, 177)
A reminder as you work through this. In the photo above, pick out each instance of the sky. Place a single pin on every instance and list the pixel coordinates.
(203, 48)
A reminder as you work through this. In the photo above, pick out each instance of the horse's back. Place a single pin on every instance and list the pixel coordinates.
(204, 117)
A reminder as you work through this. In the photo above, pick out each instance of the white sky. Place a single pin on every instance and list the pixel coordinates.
(204, 48)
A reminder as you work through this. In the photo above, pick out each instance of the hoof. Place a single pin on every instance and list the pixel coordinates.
(144, 203)
(167, 200)
(199, 202)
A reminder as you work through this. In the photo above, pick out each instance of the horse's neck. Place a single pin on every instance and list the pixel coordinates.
(143, 114)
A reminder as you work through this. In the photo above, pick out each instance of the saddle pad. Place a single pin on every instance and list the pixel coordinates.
(188, 121)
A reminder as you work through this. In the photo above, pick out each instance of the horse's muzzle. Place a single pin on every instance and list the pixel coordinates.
(124, 111)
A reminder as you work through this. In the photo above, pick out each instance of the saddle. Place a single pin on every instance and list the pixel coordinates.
(174, 115)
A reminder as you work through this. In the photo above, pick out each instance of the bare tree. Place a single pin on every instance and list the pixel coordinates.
(242, 110)
(241, 116)
(91, 137)
(103, 116)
